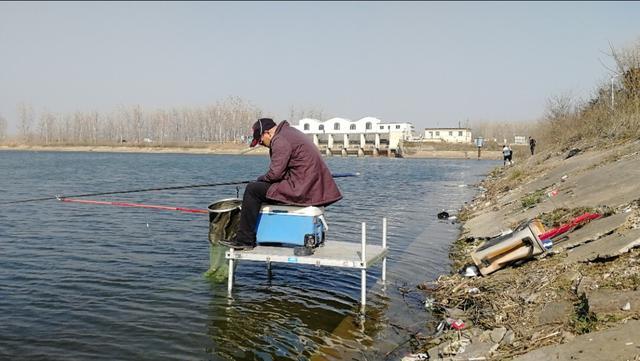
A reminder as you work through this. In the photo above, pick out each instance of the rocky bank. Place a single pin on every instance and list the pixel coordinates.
(578, 301)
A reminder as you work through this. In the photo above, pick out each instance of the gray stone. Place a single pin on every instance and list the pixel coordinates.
(608, 302)
(605, 248)
(587, 284)
(612, 184)
(554, 312)
(592, 231)
(475, 332)
(476, 350)
(497, 334)
(456, 313)
(508, 338)
(494, 348)
(485, 337)
(617, 343)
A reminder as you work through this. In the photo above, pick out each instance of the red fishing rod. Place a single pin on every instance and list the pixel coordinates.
(135, 205)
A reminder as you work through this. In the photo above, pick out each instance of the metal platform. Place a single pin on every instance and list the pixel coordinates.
(333, 254)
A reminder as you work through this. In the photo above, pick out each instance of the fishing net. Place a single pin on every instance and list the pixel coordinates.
(224, 217)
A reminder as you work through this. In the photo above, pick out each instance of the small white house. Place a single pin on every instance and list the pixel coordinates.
(520, 139)
(449, 135)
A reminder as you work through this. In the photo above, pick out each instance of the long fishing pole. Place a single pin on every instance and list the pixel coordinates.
(136, 205)
(61, 197)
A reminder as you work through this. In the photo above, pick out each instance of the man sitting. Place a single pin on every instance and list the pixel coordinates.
(297, 176)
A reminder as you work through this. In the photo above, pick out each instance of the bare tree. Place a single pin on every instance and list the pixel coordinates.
(224, 121)
(46, 126)
(3, 128)
(25, 121)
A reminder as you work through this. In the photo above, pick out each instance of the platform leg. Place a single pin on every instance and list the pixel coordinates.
(384, 270)
(269, 269)
(363, 282)
(230, 280)
(363, 290)
(384, 245)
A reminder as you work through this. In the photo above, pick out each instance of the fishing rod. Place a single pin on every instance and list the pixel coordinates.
(61, 197)
(136, 205)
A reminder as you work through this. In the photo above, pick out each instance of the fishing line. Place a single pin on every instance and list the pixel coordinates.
(60, 196)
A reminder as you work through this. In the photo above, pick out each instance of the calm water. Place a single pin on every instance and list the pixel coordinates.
(82, 282)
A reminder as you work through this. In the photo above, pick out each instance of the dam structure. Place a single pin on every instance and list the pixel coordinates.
(367, 136)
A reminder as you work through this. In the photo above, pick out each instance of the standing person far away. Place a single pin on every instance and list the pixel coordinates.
(297, 176)
(506, 155)
(532, 144)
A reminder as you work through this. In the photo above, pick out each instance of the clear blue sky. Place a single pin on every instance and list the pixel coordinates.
(431, 63)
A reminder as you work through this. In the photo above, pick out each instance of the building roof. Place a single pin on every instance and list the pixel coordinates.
(447, 128)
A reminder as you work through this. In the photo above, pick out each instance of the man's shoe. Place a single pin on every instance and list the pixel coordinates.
(235, 244)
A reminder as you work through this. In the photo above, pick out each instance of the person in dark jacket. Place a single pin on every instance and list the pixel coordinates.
(532, 145)
(297, 176)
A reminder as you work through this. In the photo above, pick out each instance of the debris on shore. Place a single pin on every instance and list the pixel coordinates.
(586, 282)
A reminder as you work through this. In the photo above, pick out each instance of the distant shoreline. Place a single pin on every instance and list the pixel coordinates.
(228, 149)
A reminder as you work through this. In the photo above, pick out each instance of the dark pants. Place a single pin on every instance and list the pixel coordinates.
(254, 195)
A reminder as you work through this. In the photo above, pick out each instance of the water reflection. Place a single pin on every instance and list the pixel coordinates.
(292, 323)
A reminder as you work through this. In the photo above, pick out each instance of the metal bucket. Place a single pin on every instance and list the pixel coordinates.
(224, 218)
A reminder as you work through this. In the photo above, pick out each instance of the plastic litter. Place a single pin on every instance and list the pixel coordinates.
(626, 307)
(429, 303)
(416, 357)
(471, 271)
(455, 324)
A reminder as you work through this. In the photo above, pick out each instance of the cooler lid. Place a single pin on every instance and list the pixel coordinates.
(292, 210)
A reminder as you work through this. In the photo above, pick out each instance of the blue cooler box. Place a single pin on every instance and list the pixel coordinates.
(289, 225)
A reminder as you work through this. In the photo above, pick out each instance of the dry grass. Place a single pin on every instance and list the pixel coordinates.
(598, 121)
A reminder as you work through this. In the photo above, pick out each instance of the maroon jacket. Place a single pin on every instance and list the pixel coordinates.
(298, 174)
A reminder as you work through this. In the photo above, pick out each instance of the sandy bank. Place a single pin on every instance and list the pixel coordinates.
(454, 154)
(230, 149)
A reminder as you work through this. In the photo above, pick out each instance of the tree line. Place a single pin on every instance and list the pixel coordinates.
(225, 121)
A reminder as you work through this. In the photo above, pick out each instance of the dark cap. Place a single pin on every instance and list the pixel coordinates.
(259, 127)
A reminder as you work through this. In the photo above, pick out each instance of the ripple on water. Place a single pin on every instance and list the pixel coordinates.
(96, 282)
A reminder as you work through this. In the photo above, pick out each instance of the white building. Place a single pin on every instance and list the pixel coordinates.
(360, 132)
(449, 135)
(520, 139)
